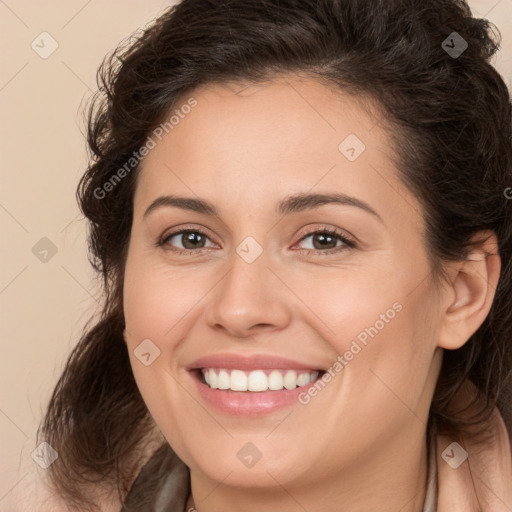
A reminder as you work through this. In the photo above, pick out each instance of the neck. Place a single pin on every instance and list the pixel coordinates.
(393, 479)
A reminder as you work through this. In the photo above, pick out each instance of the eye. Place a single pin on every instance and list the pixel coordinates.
(325, 241)
(190, 239)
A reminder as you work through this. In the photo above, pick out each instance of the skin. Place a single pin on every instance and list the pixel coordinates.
(361, 441)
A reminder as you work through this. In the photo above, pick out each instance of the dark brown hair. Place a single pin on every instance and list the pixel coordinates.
(451, 123)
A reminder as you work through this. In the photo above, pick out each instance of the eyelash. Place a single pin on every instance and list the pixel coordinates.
(347, 242)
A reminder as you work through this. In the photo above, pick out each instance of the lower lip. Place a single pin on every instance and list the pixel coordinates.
(247, 403)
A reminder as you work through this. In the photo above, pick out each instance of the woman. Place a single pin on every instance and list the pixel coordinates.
(299, 211)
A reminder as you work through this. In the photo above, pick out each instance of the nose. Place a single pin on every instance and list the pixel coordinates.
(248, 299)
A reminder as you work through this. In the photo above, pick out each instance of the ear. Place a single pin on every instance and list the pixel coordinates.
(469, 293)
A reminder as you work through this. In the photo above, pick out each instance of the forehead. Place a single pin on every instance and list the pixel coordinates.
(292, 134)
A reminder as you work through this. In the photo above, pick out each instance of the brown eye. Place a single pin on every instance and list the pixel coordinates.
(189, 239)
(323, 240)
(327, 241)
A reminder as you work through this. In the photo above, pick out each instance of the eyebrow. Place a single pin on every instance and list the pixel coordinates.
(290, 204)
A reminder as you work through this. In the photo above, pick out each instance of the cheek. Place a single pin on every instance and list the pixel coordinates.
(338, 307)
(162, 305)
(154, 304)
(349, 303)
(383, 325)
(153, 308)
(158, 301)
(391, 373)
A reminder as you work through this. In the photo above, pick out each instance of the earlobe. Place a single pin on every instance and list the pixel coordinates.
(470, 294)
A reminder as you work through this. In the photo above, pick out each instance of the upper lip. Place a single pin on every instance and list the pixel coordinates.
(253, 362)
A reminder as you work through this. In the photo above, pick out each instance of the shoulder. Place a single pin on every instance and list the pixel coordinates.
(483, 480)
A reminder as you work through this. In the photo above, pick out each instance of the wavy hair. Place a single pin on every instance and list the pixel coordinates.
(450, 119)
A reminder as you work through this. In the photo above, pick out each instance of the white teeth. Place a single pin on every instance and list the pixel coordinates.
(213, 379)
(302, 379)
(257, 380)
(275, 380)
(290, 380)
(223, 380)
(238, 380)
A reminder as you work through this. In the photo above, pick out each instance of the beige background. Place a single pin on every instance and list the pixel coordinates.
(44, 305)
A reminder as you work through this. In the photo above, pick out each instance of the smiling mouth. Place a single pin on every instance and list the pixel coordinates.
(257, 380)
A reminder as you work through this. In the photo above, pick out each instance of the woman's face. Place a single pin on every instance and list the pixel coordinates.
(259, 295)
